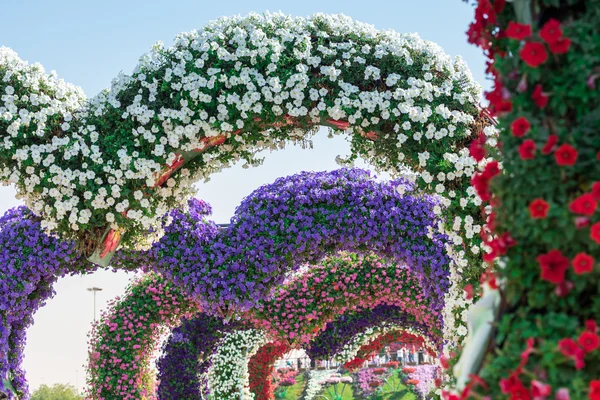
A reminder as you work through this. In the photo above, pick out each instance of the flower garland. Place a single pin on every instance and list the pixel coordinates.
(30, 263)
(544, 229)
(228, 376)
(185, 362)
(303, 218)
(351, 349)
(306, 303)
(376, 345)
(342, 332)
(315, 382)
(216, 97)
(124, 339)
(261, 367)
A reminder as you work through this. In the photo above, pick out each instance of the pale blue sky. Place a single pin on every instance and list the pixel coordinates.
(88, 43)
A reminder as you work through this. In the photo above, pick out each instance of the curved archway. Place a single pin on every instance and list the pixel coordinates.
(32, 261)
(123, 340)
(303, 306)
(403, 100)
(300, 218)
(339, 338)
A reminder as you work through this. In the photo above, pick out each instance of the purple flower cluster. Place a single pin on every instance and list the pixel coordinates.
(425, 374)
(30, 263)
(297, 219)
(342, 331)
(364, 377)
(186, 356)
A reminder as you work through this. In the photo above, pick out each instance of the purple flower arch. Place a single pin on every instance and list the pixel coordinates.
(30, 263)
(303, 218)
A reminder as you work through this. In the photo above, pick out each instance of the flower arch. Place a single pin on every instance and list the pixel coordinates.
(124, 339)
(126, 157)
(303, 218)
(301, 308)
(343, 337)
(31, 262)
(103, 173)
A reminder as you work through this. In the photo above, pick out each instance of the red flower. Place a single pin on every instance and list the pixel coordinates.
(534, 54)
(591, 326)
(477, 149)
(594, 390)
(520, 127)
(507, 384)
(539, 389)
(518, 31)
(589, 341)
(596, 190)
(566, 155)
(595, 232)
(519, 392)
(561, 46)
(549, 146)
(583, 263)
(491, 169)
(568, 347)
(538, 208)
(445, 362)
(468, 291)
(563, 288)
(584, 204)
(527, 150)
(553, 265)
(551, 32)
(539, 97)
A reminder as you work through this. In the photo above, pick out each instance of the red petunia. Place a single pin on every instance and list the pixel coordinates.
(520, 127)
(589, 341)
(583, 263)
(527, 150)
(568, 347)
(590, 325)
(596, 190)
(468, 291)
(566, 155)
(538, 209)
(549, 146)
(554, 265)
(538, 96)
(560, 47)
(477, 148)
(595, 232)
(534, 54)
(584, 205)
(551, 32)
(518, 31)
(594, 390)
(539, 389)
(492, 169)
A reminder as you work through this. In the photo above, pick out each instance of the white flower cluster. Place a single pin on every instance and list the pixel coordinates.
(350, 350)
(208, 96)
(316, 379)
(228, 375)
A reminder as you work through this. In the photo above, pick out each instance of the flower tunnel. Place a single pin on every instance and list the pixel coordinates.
(112, 176)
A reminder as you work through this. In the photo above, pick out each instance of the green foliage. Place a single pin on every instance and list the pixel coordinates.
(58, 391)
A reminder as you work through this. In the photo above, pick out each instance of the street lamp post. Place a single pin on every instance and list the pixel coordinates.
(94, 289)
